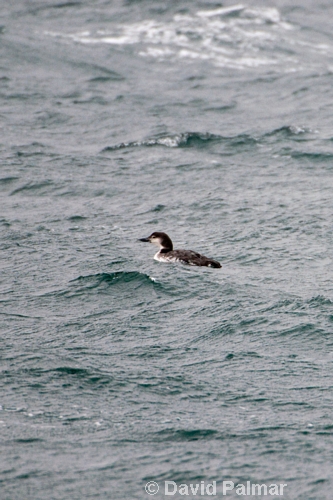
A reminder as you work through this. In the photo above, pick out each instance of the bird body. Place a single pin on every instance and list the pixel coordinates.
(166, 252)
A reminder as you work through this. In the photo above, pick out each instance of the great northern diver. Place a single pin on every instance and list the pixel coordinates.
(167, 254)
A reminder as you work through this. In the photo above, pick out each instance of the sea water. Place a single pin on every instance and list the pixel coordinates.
(210, 121)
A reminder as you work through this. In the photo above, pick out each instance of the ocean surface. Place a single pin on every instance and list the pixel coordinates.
(211, 121)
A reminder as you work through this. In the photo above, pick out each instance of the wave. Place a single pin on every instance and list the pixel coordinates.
(115, 278)
(106, 282)
(311, 151)
(207, 434)
(170, 141)
(123, 283)
(301, 318)
(27, 150)
(76, 218)
(186, 140)
(33, 188)
(236, 37)
(204, 139)
(297, 304)
(312, 156)
(75, 374)
(187, 434)
(319, 301)
(8, 180)
(288, 131)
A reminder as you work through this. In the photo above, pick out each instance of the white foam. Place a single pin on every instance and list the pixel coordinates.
(221, 11)
(236, 37)
(158, 53)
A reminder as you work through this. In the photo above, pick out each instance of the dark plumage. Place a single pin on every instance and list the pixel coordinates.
(167, 254)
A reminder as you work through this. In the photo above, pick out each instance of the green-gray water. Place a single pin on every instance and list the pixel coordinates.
(211, 122)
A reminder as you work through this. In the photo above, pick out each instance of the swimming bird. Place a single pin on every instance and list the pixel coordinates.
(166, 252)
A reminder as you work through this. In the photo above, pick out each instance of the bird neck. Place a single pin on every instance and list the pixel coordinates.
(165, 250)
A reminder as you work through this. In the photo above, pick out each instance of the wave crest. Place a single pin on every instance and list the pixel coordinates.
(110, 279)
(184, 140)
